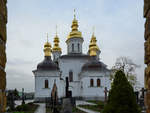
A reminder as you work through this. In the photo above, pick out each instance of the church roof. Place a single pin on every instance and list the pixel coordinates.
(47, 64)
(95, 65)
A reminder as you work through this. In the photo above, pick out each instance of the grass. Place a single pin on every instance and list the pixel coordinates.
(26, 108)
(18, 112)
(98, 107)
(48, 110)
(74, 110)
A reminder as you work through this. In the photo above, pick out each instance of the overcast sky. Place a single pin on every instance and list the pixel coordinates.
(119, 28)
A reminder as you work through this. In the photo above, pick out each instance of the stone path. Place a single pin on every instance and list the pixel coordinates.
(85, 103)
(41, 108)
(86, 110)
(80, 102)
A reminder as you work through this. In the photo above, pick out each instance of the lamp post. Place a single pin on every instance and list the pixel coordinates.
(23, 102)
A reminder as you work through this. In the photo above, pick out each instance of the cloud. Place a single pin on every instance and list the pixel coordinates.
(17, 61)
(19, 79)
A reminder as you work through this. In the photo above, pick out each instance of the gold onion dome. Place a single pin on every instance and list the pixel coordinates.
(47, 48)
(56, 44)
(93, 52)
(93, 47)
(47, 44)
(74, 33)
(93, 42)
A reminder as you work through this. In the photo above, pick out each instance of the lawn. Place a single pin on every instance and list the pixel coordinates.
(74, 110)
(48, 110)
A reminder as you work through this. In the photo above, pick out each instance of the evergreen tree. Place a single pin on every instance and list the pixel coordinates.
(121, 97)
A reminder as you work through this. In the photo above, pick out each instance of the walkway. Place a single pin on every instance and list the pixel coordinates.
(41, 108)
(85, 103)
(80, 102)
(87, 110)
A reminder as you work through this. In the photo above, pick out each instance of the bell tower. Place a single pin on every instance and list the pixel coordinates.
(74, 40)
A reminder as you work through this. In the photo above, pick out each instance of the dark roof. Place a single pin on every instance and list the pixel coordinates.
(47, 64)
(75, 55)
(94, 64)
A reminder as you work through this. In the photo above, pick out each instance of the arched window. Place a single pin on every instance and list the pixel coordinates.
(91, 82)
(72, 47)
(98, 82)
(78, 47)
(46, 83)
(70, 76)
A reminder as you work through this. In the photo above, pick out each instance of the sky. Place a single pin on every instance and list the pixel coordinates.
(119, 29)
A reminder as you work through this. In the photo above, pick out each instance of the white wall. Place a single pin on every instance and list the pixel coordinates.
(51, 76)
(87, 90)
(74, 41)
(75, 88)
(75, 66)
(80, 86)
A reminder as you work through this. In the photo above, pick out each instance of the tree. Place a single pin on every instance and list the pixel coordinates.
(121, 98)
(16, 93)
(128, 67)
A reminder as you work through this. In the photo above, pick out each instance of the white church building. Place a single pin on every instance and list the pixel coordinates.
(88, 76)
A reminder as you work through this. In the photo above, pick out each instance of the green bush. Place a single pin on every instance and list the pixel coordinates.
(121, 97)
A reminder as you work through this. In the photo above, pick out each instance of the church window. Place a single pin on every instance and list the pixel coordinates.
(91, 82)
(46, 83)
(98, 82)
(78, 47)
(72, 47)
(70, 76)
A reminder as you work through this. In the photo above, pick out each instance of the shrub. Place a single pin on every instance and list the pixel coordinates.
(121, 97)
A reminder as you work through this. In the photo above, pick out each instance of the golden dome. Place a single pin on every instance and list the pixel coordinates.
(56, 44)
(93, 51)
(93, 46)
(47, 48)
(47, 44)
(74, 33)
(93, 42)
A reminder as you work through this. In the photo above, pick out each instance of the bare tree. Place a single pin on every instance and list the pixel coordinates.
(128, 67)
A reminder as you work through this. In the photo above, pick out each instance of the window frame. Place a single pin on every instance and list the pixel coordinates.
(98, 82)
(46, 84)
(72, 47)
(91, 82)
(70, 76)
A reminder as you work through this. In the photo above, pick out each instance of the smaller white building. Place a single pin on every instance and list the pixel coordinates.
(94, 78)
(46, 74)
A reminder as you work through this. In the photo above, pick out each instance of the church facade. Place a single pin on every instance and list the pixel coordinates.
(88, 76)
